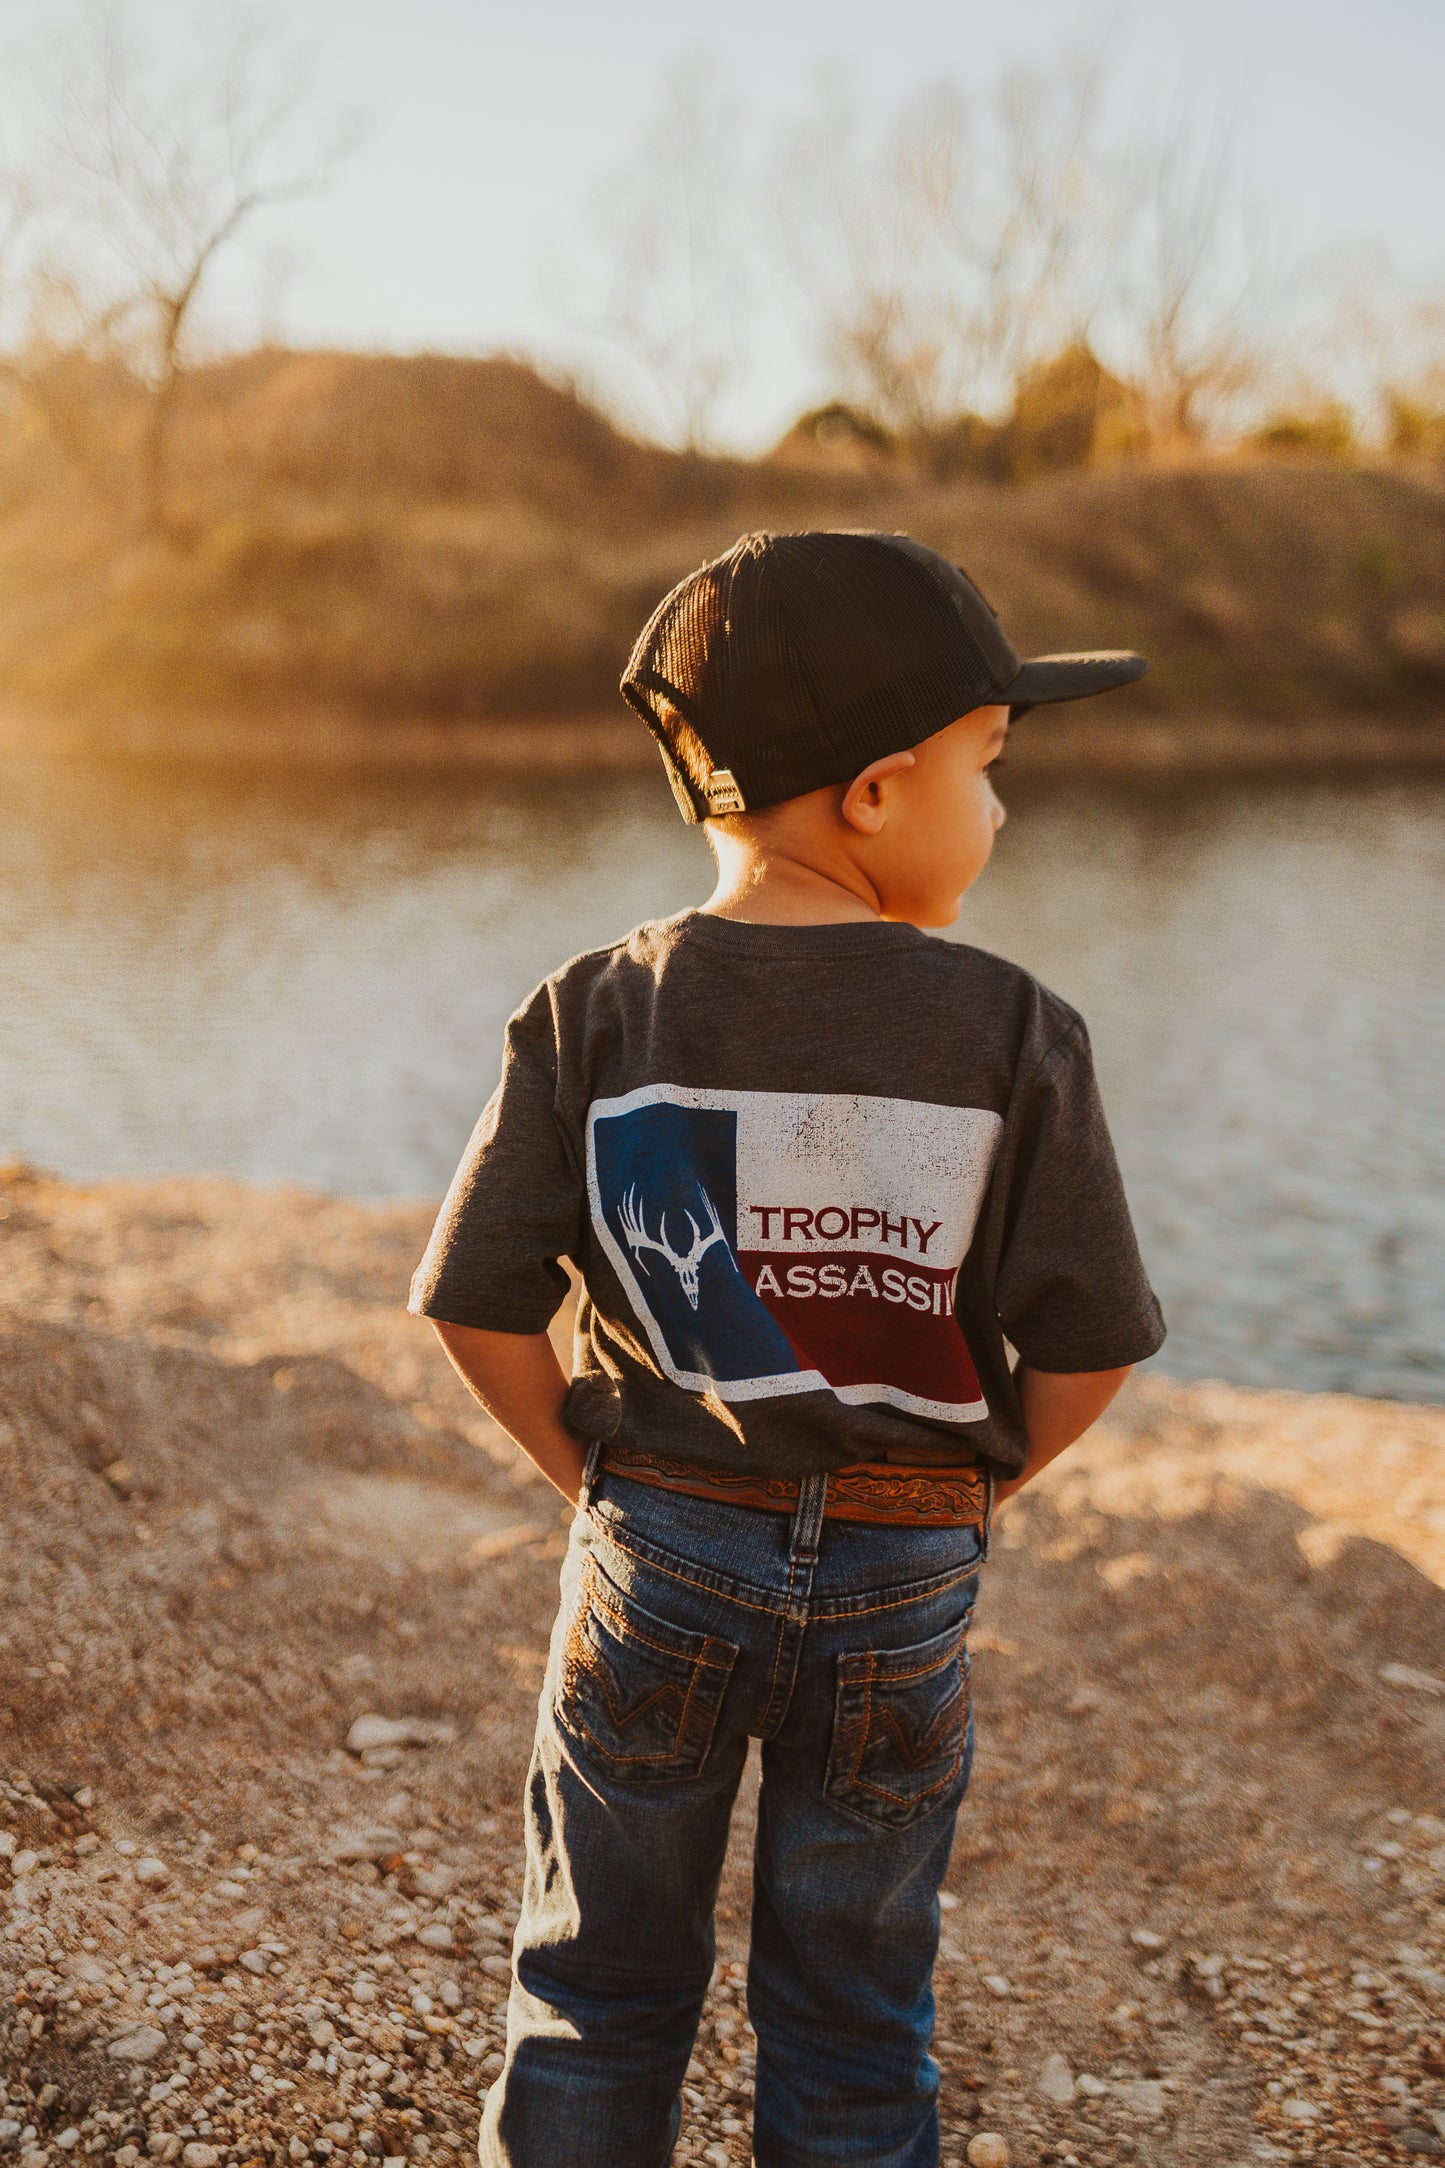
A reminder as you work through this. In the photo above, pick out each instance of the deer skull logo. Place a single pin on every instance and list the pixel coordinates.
(634, 1227)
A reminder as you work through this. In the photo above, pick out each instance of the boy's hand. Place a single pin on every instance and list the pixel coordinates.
(519, 1381)
(1059, 1407)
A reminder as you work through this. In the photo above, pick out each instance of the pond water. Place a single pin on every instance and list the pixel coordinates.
(304, 979)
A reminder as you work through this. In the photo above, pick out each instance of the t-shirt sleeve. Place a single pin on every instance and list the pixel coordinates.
(1070, 1289)
(513, 1207)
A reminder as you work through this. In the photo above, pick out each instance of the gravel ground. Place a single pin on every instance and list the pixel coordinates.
(1197, 1906)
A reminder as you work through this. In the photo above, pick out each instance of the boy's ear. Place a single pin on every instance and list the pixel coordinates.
(863, 806)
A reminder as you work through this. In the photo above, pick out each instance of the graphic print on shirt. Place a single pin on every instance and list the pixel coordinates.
(786, 1242)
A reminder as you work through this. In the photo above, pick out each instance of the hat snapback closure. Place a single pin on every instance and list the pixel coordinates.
(722, 793)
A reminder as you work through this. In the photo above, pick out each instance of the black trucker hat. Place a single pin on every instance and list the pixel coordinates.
(795, 660)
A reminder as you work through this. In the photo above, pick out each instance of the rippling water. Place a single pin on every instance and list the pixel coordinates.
(304, 979)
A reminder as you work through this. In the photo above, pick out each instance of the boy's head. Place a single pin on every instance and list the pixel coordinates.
(855, 687)
(910, 834)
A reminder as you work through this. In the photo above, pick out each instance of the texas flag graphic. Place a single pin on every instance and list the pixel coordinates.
(786, 1242)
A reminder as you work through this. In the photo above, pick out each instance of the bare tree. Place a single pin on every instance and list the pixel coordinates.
(976, 239)
(675, 278)
(1377, 342)
(53, 346)
(856, 222)
(17, 217)
(1410, 381)
(1187, 292)
(158, 173)
(1043, 254)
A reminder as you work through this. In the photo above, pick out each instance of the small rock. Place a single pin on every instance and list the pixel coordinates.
(1055, 2081)
(151, 1870)
(7, 1844)
(1298, 2111)
(200, 2155)
(436, 1882)
(1091, 2087)
(997, 1984)
(1416, 2139)
(1144, 1938)
(1144, 2095)
(136, 2044)
(65, 2139)
(988, 2150)
(24, 1863)
(374, 1841)
(437, 1936)
(254, 1961)
(373, 1731)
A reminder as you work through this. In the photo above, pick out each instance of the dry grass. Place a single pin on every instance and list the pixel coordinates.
(428, 536)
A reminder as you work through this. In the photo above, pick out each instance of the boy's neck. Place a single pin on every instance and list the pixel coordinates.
(775, 888)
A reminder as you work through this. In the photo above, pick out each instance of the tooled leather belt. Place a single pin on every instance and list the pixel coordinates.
(871, 1490)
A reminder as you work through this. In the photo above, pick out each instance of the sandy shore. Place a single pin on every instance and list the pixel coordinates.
(1197, 1907)
(612, 743)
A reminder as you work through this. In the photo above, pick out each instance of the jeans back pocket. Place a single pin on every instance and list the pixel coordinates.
(636, 1691)
(901, 1730)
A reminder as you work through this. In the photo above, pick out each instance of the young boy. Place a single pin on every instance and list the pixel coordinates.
(817, 1171)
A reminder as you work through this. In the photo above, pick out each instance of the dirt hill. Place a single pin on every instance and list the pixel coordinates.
(1197, 1908)
(400, 537)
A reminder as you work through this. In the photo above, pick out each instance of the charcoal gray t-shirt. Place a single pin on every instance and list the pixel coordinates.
(813, 1178)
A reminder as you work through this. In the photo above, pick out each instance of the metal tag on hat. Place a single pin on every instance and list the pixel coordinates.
(722, 793)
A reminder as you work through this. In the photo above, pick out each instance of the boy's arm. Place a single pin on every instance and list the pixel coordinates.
(518, 1380)
(1058, 1407)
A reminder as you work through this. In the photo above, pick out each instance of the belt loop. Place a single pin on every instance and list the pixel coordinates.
(990, 1479)
(589, 1475)
(808, 1519)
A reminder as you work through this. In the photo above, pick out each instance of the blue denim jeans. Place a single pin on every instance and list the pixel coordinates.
(688, 1626)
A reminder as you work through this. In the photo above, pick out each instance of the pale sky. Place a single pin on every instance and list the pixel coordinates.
(493, 123)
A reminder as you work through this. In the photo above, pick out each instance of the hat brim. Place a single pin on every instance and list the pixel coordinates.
(1071, 677)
